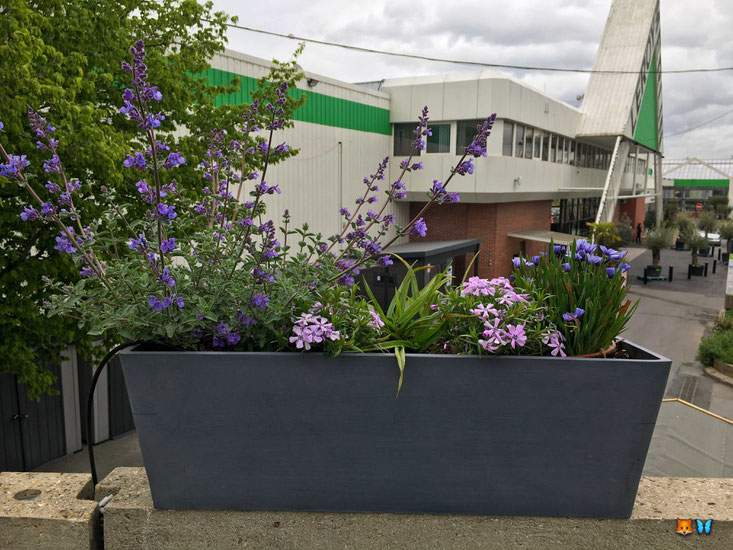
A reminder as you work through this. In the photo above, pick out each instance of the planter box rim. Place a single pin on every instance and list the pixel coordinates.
(487, 357)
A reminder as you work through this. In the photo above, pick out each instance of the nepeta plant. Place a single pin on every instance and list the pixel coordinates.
(216, 273)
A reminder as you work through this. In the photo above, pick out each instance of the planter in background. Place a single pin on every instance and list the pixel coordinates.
(680, 244)
(696, 270)
(725, 256)
(653, 271)
(498, 435)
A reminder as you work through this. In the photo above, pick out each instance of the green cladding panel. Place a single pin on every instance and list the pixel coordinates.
(646, 125)
(702, 183)
(318, 108)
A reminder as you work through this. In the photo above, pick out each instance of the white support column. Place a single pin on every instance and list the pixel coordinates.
(658, 188)
(70, 397)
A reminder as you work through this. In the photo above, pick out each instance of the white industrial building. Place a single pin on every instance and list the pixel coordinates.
(550, 165)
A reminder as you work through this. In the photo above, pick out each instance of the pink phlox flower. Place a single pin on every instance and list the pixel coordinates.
(489, 345)
(494, 333)
(309, 329)
(516, 335)
(507, 299)
(503, 282)
(476, 286)
(376, 321)
(483, 311)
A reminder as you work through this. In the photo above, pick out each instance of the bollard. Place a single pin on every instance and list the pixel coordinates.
(715, 263)
(645, 277)
(671, 273)
(705, 274)
(719, 251)
(689, 272)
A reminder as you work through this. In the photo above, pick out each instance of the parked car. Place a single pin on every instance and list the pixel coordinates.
(713, 238)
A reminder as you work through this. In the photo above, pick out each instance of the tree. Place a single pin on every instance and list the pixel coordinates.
(707, 223)
(63, 59)
(657, 239)
(718, 205)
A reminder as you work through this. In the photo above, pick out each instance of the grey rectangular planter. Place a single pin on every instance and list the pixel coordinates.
(490, 435)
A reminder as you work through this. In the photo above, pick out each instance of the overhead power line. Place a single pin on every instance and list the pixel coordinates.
(699, 125)
(463, 62)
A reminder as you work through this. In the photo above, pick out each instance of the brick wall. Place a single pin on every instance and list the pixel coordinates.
(490, 222)
(635, 209)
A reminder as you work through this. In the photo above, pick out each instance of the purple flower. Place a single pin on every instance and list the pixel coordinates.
(166, 211)
(624, 267)
(517, 261)
(478, 145)
(52, 165)
(558, 249)
(140, 242)
(52, 188)
(167, 278)
(260, 300)
(63, 244)
(173, 160)
(568, 317)
(155, 303)
(384, 261)
(419, 229)
(138, 161)
(48, 209)
(344, 212)
(14, 167)
(536, 260)
(29, 214)
(610, 271)
(566, 267)
(168, 245)
(466, 167)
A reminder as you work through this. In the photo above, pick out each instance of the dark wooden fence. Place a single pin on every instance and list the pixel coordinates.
(31, 433)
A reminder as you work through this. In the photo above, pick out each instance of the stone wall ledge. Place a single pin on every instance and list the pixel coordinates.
(47, 511)
(131, 522)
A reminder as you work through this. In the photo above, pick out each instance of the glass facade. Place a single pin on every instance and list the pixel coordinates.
(573, 215)
(439, 141)
(403, 138)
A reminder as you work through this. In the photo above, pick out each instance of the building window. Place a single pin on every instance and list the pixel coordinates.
(403, 138)
(439, 141)
(545, 146)
(466, 132)
(571, 153)
(508, 142)
(537, 144)
(519, 141)
(528, 138)
(553, 147)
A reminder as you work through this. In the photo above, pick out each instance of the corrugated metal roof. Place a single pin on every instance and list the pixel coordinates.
(609, 97)
(697, 169)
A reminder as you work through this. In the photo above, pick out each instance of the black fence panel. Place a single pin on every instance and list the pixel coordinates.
(11, 442)
(32, 432)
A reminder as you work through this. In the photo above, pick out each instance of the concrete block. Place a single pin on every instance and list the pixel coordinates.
(132, 523)
(40, 511)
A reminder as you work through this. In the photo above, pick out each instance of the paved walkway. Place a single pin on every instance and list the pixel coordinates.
(671, 319)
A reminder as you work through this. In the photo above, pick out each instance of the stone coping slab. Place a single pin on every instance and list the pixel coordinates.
(131, 522)
(46, 510)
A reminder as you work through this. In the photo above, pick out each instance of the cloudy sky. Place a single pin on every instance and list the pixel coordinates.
(556, 33)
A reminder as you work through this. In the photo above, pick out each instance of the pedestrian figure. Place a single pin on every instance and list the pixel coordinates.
(638, 233)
